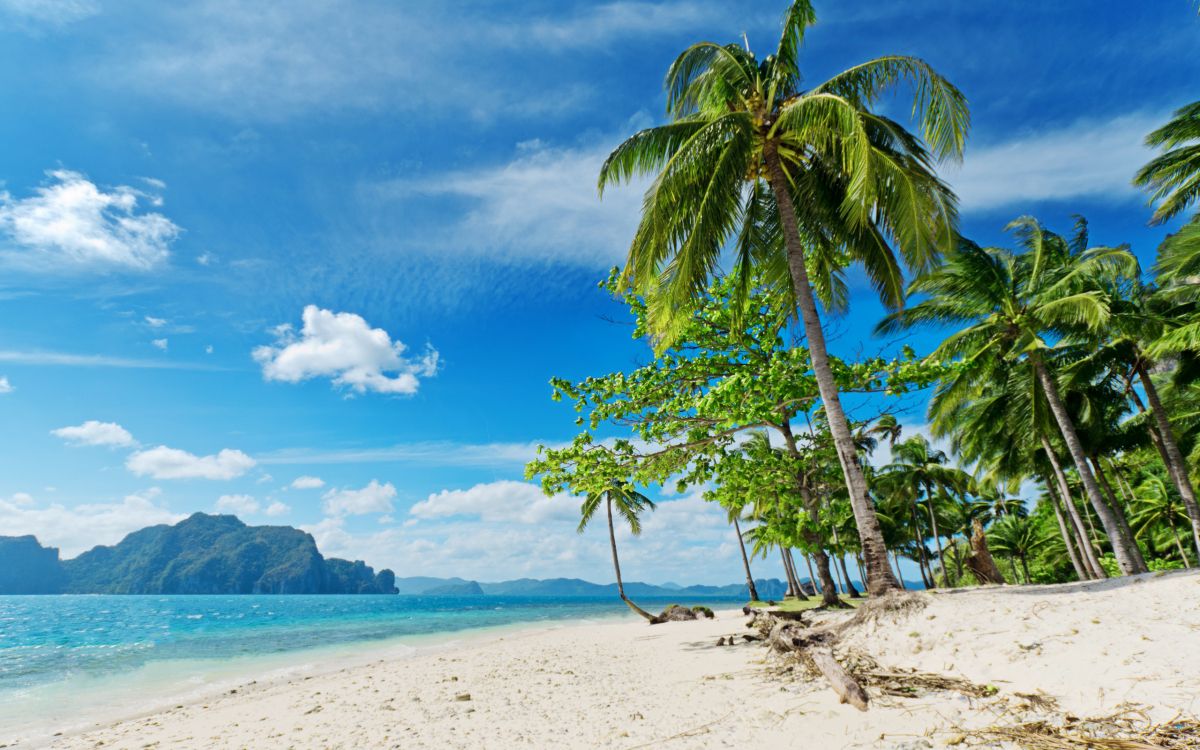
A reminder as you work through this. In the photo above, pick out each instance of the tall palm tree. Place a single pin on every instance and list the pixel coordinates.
(1156, 509)
(734, 513)
(802, 182)
(630, 504)
(1013, 307)
(1174, 176)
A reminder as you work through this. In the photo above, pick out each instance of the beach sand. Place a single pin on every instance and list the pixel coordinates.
(1089, 647)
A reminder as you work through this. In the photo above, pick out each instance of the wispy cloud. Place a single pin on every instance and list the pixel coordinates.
(66, 359)
(34, 14)
(1088, 159)
(429, 453)
(542, 205)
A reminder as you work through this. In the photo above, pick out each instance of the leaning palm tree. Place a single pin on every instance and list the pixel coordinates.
(630, 504)
(1012, 309)
(801, 183)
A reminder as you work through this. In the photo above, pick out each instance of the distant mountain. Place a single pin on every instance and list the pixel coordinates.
(27, 567)
(574, 588)
(203, 554)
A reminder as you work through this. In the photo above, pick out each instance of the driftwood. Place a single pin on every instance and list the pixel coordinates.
(980, 561)
(815, 645)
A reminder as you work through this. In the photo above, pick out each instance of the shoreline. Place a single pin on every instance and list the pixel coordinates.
(216, 677)
(1030, 654)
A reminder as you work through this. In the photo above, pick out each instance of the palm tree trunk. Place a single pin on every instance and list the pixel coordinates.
(1118, 511)
(1129, 560)
(1176, 466)
(919, 539)
(879, 574)
(937, 537)
(829, 596)
(847, 586)
(787, 574)
(1080, 571)
(612, 539)
(1179, 544)
(737, 528)
(899, 575)
(1025, 567)
(811, 578)
(800, 592)
(1087, 551)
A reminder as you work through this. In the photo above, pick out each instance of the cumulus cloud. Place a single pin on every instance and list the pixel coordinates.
(171, 463)
(73, 222)
(240, 505)
(1090, 158)
(93, 432)
(307, 483)
(504, 500)
(160, 344)
(82, 527)
(154, 322)
(5, 386)
(341, 346)
(374, 498)
(277, 509)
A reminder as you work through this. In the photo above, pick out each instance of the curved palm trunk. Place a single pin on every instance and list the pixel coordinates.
(899, 575)
(919, 540)
(937, 537)
(879, 574)
(811, 578)
(800, 592)
(612, 539)
(1080, 572)
(1118, 509)
(1087, 550)
(793, 586)
(1176, 466)
(1128, 558)
(745, 561)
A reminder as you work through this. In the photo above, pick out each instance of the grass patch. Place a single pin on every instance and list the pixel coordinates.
(798, 605)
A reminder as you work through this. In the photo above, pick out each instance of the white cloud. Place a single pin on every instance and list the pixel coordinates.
(20, 498)
(343, 347)
(160, 344)
(82, 527)
(65, 359)
(307, 483)
(241, 505)
(171, 463)
(154, 322)
(1092, 159)
(49, 12)
(428, 453)
(72, 222)
(93, 432)
(208, 349)
(504, 500)
(540, 206)
(5, 386)
(277, 509)
(374, 498)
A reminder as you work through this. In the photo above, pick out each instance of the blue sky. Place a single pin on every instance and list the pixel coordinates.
(242, 244)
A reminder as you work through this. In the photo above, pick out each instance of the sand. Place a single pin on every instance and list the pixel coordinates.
(1089, 647)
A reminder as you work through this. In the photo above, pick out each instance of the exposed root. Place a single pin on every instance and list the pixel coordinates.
(909, 683)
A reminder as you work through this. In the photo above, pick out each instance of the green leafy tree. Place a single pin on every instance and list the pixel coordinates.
(800, 183)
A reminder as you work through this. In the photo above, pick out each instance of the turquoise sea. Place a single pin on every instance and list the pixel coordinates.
(66, 661)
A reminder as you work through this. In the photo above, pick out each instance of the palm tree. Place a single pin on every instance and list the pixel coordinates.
(734, 513)
(803, 182)
(1156, 509)
(1018, 537)
(1013, 307)
(1174, 177)
(630, 505)
(887, 427)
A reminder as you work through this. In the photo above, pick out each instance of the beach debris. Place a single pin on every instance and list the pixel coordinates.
(721, 642)
(1129, 729)
(703, 611)
(314, 710)
(674, 613)
(463, 697)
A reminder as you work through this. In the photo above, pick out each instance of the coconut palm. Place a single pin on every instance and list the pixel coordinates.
(734, 513)
(1173, 177)
(1013, 308)
(1157, 510)
(630, 505)
(800, 183)
(1018, 537)
(918, 469)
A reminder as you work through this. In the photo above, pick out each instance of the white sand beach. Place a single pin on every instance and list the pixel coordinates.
(1088, 649)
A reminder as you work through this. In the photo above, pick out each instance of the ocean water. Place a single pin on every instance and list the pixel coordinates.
(68, 661)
